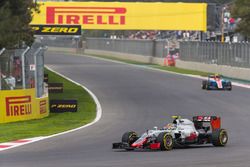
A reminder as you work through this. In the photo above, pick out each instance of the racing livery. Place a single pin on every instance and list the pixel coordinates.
(182, 132)
(216, 82)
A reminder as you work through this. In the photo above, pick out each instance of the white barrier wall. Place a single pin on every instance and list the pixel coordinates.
(229, 71)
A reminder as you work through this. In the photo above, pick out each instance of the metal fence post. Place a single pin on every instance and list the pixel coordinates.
(1, 52)
(23, 66)
(35, 62)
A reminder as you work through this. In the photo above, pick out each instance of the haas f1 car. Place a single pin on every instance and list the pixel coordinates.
(216, 82)
(182, 132)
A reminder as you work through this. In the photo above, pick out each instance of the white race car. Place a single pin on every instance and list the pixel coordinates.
(202, 130)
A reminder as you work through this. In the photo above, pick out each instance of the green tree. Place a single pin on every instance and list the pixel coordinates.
(14, 22)
(241, 9)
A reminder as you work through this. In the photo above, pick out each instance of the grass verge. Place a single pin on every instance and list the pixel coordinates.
(55, 122)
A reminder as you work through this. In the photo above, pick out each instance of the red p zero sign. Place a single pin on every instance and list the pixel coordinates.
(86, 15)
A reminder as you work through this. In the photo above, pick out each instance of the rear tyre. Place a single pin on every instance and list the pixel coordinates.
(130, 138)
(229, 86)
(166, 141)
(208, 86)
(219, 137)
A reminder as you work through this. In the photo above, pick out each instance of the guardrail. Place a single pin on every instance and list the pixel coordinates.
(227, 59)
(230, 54)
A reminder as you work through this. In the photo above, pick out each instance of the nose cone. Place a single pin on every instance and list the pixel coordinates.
(135, 145)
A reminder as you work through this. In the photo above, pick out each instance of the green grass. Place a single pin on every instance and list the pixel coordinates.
(119, 59)
(180, 70)
(55, 122)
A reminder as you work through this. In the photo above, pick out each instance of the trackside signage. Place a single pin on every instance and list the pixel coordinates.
(60, 106)
(20, 105)
(56, 29)
(124, 15)
(86, 15)
(55, 87)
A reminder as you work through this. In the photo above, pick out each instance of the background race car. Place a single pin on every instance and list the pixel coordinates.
(216, 82)
(182, 132)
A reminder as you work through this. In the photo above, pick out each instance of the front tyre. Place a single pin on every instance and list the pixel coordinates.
(130, 138)
(219, 137)
(229, 86)
(204, 84)
(166, 141)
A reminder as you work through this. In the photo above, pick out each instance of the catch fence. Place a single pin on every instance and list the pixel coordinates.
(231, 54)
(22, 68)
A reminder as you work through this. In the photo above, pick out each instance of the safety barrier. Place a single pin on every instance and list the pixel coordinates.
(228, 54)
(23, 68)
(20, 105)
(22, 93)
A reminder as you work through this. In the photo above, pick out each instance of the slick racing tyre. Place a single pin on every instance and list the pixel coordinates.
(204, 84)
(219, 137)
(166, 141)
(129, 137)
(229, 86)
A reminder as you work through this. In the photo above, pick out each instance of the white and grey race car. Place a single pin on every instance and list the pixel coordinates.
(202, 130)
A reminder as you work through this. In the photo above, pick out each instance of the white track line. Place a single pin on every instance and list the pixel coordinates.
(17, 143)
(155, 69)
(98, 106)
(13, 144)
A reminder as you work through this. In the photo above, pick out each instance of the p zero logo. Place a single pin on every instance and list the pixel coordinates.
(86, 15)
(59, 106)
(56, 29)
(18, 106)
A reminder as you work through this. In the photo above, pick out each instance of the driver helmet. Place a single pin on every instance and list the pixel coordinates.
(216, 76)
(169, 126)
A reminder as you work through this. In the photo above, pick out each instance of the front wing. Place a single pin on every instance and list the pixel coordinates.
(121, 145)
(213, 85)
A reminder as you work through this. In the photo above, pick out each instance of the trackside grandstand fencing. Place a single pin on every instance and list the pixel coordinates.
(22, 68)
(231, 54)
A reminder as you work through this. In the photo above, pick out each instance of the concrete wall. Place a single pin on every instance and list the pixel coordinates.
(126, 56)
(229, 71)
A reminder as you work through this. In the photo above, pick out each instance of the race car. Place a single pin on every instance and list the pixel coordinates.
(181, 132)
(216, 82)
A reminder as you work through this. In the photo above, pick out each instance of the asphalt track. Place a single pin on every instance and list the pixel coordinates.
(135, 98)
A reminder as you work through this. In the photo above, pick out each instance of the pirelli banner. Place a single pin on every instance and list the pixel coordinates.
(124, 15)
(20, 105)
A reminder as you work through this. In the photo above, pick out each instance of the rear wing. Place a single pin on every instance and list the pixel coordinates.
(215, 121)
